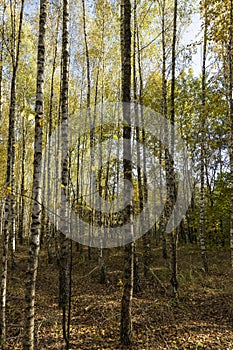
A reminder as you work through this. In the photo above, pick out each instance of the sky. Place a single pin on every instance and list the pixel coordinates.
(192, 34)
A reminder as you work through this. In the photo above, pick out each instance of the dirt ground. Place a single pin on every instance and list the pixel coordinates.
(202, 319)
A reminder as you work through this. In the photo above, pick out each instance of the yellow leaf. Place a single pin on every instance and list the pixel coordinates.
(120, 282)
(63, 186)
(115, 137)
(8, 190)
(41, 122)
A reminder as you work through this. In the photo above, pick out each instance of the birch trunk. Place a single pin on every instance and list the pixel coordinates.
(34, 241)
(162, 221)
(231, 122)
(1, 55)
(9, 218)
(64, 262)
(126, 302)
(202, 175)
(22, 185)
(170, 164)
(16, 40)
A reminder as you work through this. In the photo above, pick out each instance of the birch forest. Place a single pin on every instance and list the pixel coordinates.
(116, 174)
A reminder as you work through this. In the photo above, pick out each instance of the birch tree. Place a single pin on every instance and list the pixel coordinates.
(202, 155)
(169, 159)
(9, 219)
(126, 302)
(34, 240)
(230, 57)
(63, 261)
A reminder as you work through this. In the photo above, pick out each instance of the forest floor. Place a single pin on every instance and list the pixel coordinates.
(202, 319)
